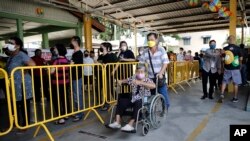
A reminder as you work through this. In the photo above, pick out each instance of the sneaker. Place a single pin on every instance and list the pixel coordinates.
(104, 108)
(235, 100)
(76, 118)
(115, 125)
(60, 121)
(203, 97)
(128, 128)
(221, 98)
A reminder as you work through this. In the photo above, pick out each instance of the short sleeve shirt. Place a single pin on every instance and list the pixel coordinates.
(20, 60)
(128, 54)
(159, 58)
(138, 90)
(236, 52)
(77, 58)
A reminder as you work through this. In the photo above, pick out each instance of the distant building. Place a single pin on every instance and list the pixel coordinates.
(197, 41)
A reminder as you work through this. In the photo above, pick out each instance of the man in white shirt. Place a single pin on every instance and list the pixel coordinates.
(88, 70)
(180, 56)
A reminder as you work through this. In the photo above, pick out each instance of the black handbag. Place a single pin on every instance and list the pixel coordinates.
(161, 81)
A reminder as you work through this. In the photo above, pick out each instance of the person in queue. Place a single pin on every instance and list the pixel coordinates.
(188, 56)
(233, 61)
(124, 70)
(158, 55)
(76, 74)
(19, 58)
(107, 57)
(140, 52)
(243, 69)
(37, 76)
(141, 86)
(60, 83)
(88, 70)
(180, 55)
(211, 69)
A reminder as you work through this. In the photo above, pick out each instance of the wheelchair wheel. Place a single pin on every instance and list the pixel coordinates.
(157, 111)
(145, 129)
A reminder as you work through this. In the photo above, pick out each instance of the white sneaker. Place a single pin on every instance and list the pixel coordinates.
(115, 125)
(127, 127)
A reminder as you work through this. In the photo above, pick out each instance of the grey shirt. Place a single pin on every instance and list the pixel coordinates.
(212, 61)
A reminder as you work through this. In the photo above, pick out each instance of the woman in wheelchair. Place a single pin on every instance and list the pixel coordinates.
(141, 86)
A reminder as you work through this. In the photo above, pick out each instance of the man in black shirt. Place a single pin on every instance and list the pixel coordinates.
(233, 62)
(76, 74)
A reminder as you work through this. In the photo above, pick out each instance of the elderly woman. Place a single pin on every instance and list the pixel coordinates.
(141, 85)
(19, 58)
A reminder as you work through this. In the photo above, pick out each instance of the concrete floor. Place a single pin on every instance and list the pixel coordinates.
(189, 119)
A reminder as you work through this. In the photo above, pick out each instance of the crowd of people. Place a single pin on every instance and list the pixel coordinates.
(219, 66)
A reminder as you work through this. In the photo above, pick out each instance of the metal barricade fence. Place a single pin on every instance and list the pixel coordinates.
(114, 72)
(6, 123)
(69, 90)
(170, 76)
(196, 69)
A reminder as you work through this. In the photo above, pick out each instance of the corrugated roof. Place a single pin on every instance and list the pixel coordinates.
(165, 16)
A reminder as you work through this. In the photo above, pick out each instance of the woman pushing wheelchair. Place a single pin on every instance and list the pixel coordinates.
(141, 86)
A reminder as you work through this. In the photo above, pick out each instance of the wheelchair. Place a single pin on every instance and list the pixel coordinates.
(151, 115)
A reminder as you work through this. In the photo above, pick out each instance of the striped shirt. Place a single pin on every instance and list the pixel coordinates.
(159, 58)
(62, 73)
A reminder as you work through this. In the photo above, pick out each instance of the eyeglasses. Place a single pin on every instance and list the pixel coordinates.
(9, 42)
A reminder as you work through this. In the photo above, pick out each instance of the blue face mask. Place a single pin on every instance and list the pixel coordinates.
(212, 46)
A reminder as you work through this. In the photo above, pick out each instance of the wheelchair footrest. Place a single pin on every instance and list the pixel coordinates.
(132, 131)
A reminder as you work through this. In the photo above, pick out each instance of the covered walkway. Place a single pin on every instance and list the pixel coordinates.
(188, 119)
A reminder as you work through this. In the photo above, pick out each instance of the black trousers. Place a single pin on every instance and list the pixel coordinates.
(21, 112)
(59, 98)
(212, 82)
(38, 87)
(124, 103)
(3, 86)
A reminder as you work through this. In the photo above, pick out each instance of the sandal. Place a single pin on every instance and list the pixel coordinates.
(60, 121)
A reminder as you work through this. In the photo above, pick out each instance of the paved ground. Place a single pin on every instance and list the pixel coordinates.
(189, 119)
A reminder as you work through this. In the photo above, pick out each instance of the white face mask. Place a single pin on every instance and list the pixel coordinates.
(123, 48)
(10, 47)
(140, 52)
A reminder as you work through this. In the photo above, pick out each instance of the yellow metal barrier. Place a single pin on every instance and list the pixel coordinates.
(114, 72)
(196, 69)
(66, 98)
(170, 76)
(7, 101)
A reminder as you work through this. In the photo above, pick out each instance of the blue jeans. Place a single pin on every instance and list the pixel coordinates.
(163, 90)
(78, 96)
(244, 74)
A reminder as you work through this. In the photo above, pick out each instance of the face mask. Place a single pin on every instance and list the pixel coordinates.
(151, 43)
(10, 47)
(101, 49)
(140, 76)
(212, 46)
(71, 46)
(140, 52)
(56, 52)
(124, 48)
(86, 55)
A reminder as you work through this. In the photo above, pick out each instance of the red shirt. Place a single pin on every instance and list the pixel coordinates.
(39, 62)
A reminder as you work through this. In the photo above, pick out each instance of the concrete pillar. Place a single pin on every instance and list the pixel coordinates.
(19, 25)
(45, 40)
(87, 21)
(233, 17)
(135, 48)
(232, 29)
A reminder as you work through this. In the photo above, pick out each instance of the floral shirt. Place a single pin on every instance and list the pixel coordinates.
(138, 90)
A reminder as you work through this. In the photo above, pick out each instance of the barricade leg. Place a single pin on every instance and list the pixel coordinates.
(45, 129)
(173, 89)
(96, 113)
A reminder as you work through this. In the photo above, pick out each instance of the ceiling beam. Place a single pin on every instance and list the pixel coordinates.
(166, 20)
(198, 26)
(169, 12)
(148, 6)
(196, 30)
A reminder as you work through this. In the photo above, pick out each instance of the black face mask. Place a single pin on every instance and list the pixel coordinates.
(86, 55)
(101, 49)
